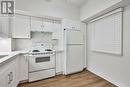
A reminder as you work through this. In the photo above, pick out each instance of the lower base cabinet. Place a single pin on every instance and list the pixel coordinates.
(8, 77)
(13, 71)
(4, 78)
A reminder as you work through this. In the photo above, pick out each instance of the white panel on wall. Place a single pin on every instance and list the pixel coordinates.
(107, 34)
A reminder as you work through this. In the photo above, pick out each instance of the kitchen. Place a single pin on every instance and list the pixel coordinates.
(51, 42)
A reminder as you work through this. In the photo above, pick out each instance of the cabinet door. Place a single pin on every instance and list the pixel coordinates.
(36, 24)
(12, 74)
(4, 26)
(23, 68)
(8, 74)
(17, 70)
(21, 26)
(59, 63)
(4, 78)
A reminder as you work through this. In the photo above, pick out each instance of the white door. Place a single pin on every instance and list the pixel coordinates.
(36, 24)
(74, 37)
(74, 58)
(21, 26)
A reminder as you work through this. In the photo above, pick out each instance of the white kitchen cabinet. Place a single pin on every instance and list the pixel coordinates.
(23, 67)
(70, 24)
(8, 74)
(39, 24)
(4, 78)
(57, 30)
(17, 70)
(20, 26)
(12, 75)
(36, 24)
(59, 62)
(4, 26)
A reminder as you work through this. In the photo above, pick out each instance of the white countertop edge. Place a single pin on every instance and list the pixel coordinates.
(14, 53)
(10, 55)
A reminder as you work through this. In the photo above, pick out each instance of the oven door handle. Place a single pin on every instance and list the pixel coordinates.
(43, 55)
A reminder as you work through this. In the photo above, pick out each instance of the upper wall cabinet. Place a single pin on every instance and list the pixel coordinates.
(20, 26)
(69, 24)
(57, 30)
(4, 27)
(39, 24)
(36, 24)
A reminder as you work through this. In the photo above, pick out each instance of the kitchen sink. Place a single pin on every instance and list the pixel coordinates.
(2, 56)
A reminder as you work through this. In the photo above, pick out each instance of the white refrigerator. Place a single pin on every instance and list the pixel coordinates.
(73, 45)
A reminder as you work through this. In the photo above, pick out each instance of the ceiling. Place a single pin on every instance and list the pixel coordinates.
(77, 3)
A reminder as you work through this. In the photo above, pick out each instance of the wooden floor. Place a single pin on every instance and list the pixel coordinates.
(83, 79)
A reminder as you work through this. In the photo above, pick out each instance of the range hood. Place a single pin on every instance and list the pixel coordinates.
(42, 31)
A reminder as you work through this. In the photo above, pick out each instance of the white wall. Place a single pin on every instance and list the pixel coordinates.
(58, 8)
(113, 68)
(93, 7)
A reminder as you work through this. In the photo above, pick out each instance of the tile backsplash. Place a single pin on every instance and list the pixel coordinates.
(21, 44)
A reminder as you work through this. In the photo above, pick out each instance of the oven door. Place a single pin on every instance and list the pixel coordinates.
(41, 62)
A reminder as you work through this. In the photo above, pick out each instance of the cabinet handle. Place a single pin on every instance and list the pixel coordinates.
(9, 79)
(11, 76)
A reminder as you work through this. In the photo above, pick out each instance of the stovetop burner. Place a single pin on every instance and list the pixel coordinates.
(48, 50)
(35, 51)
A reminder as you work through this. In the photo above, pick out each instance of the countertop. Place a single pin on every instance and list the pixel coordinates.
(10, 55)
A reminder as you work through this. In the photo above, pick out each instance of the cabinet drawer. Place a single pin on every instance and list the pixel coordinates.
(41, 75)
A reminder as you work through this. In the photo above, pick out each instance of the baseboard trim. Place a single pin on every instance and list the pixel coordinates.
(23, 81)
(59, 73)
(107, 78)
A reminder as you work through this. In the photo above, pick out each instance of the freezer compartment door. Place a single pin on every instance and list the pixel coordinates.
(74, 58)
(73, 37)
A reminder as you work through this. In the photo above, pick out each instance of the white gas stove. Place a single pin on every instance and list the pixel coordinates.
(41, 61)
(41, 49)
